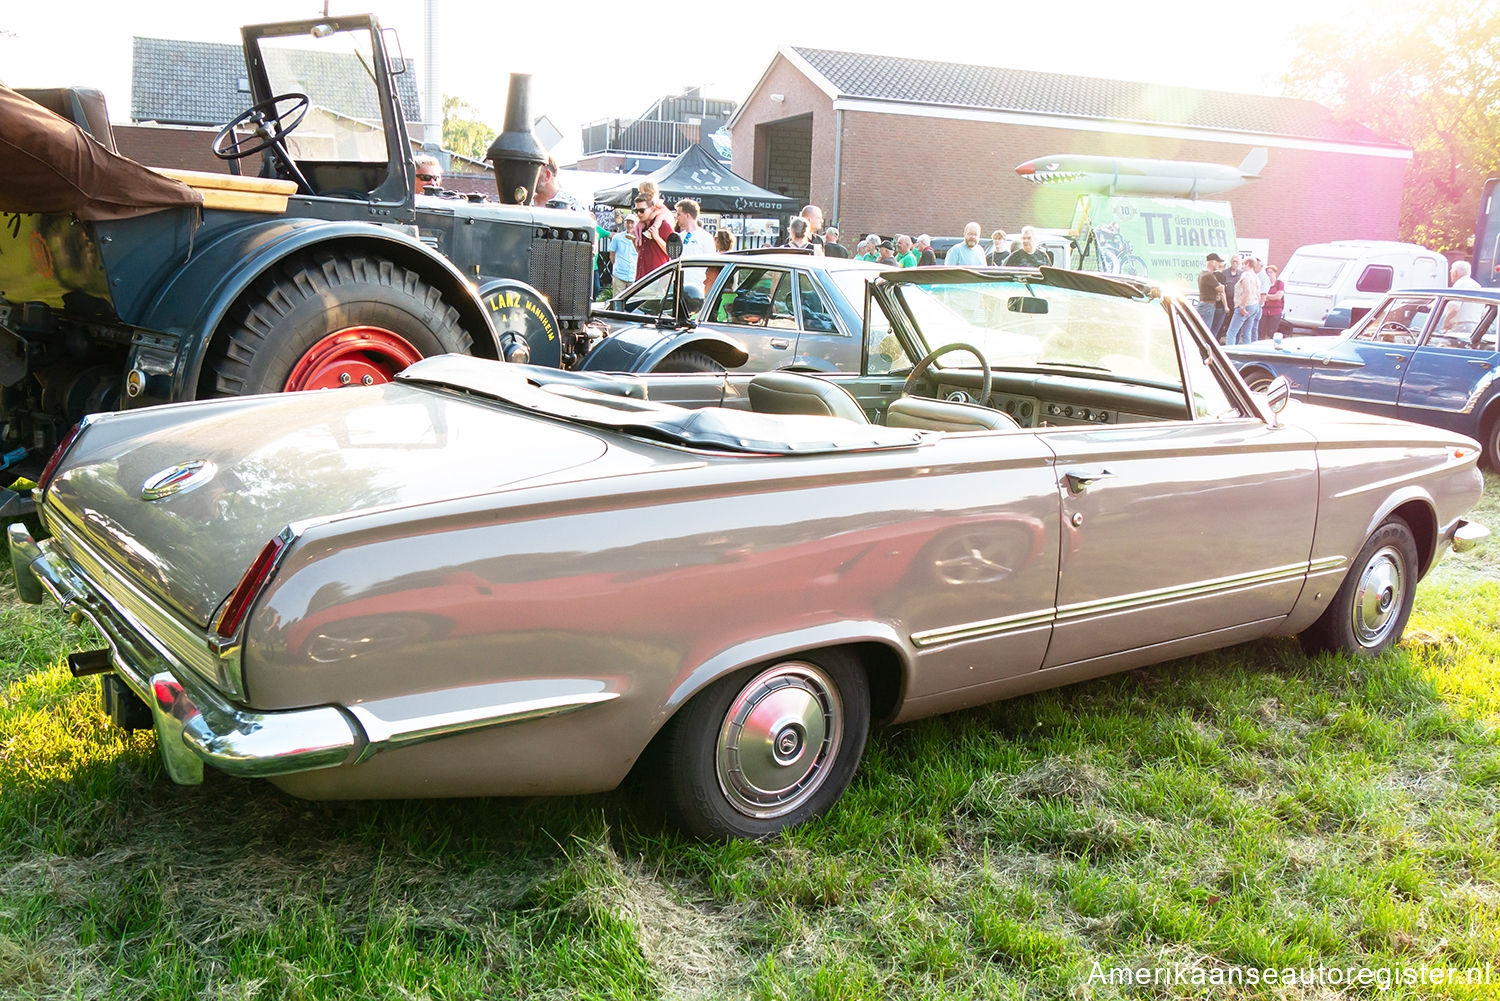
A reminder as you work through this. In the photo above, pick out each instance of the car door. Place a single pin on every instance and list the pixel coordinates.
(1179, 535)
(1453, 368)
(1381, 348)
(755, 305)
(823, 345)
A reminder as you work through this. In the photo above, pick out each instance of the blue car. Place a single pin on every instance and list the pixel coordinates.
(1423, 355)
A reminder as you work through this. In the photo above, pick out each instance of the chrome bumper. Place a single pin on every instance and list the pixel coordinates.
(194, 725)
(1467, 535)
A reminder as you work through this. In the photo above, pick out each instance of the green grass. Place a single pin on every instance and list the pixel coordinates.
(1249, 807)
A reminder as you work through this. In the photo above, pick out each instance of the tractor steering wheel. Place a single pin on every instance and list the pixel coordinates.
(986, 379)
(271, 127)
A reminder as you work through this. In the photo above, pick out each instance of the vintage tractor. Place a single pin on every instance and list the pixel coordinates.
(323, 270)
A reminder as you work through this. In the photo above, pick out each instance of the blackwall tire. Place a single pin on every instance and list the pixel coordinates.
(1369, 612)
(1491, 441)
(330, 319)
(766, 748)
(688, 360)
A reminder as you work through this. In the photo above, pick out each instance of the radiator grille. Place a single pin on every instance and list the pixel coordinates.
(562, 268)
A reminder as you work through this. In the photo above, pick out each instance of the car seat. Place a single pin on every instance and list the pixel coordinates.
(795, 393)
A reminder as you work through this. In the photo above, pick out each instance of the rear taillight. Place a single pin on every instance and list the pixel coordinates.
(249, 588)
(50, 470)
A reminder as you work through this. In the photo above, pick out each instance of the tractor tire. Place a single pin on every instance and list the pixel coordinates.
(328, 320)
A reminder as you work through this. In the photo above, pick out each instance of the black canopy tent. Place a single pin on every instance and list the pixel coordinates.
(697, 174)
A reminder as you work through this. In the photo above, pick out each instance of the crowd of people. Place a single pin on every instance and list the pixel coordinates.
(654, 232)
(1240, 300)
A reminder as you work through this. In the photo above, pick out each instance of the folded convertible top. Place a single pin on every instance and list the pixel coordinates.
(711, 427)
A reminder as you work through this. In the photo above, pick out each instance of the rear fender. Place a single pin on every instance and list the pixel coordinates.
(195, 300)
(641, 349)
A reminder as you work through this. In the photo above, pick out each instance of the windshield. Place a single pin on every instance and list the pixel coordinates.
(1021, 325)
(337, 73)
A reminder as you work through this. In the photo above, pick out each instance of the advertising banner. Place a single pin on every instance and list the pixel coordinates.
(1161, 238)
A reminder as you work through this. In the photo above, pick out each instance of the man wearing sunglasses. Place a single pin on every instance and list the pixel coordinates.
(429, 172)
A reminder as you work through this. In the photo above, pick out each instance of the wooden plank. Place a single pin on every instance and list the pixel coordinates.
(205, 181)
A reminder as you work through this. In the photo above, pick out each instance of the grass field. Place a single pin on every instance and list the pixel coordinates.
(1250, 808)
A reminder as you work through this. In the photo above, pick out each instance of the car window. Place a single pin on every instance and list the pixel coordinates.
(1464, 324)
(817, 316)
(756, 297)
(652, 298)
(1397, 321)
(783, 313)
(1319, 271)
(884, 348)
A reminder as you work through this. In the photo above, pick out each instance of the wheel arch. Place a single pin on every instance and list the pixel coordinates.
(876, 646)
(1253, 371)
(637, 350)
(197, 299)
(1420, 517)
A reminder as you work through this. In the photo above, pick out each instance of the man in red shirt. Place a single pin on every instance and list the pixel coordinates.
(654, 225)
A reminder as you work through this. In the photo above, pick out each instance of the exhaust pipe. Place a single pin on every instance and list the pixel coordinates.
(516, 154)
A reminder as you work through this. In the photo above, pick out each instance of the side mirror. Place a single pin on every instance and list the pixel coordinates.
(1277, 393)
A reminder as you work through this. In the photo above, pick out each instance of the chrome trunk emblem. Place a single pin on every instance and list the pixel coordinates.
(178, 479)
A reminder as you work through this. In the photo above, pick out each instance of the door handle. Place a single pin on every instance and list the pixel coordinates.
(1079, 479)
(780, 342)
(1482, 364)
(1399, 357)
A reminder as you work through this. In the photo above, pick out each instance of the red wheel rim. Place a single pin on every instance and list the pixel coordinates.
(354, 356)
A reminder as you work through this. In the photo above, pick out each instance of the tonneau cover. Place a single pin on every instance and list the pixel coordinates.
(53, 166)
(711, 428)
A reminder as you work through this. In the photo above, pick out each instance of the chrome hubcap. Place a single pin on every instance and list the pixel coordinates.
(778, 740)
(1377, 599)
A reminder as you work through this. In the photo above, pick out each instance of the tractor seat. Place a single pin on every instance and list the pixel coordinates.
(794, 393)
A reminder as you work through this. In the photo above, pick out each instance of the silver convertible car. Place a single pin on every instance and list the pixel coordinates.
(490, 579)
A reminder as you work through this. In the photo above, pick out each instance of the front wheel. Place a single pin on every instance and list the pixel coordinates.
(329, 321)
(1491, 441)
(767, 748)
(1369, 612)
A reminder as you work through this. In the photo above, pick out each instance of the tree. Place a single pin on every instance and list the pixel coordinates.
(1432, 84)
(463, 132)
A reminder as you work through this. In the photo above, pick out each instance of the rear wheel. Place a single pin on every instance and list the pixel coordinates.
(1369, 612)
(688, 360)
(329, 321)
(766, 748)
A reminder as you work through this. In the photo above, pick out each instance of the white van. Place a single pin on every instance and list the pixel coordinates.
(1347, 277)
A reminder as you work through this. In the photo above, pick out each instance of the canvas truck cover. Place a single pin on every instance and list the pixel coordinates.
(53, 167)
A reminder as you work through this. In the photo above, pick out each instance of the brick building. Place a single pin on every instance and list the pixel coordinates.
(886, 144)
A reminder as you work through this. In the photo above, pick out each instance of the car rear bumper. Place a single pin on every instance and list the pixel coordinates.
(194, 725)
(1467, 534)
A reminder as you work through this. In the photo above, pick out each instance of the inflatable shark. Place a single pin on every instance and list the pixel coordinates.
(1110, 175)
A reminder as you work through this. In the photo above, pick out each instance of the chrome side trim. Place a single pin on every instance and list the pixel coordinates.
(188, 643)
(1164, 595)
(983, 628)
(1079, 611)
(389, 723)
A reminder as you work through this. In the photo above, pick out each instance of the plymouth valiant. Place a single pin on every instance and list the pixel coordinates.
(495, 579)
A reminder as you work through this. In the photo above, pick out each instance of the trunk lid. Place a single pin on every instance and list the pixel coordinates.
(244, 469)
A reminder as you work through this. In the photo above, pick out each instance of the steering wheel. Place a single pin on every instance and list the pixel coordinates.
(272, 125)
(986, 380)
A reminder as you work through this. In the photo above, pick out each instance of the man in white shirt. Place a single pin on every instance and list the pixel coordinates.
(695, 239)
(1460, 275)
(967, 254)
